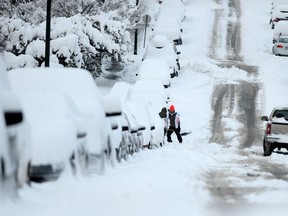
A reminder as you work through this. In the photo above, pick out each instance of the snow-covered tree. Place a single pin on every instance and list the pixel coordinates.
(82, 32)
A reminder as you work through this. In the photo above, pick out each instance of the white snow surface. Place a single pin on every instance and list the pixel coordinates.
(170, 180)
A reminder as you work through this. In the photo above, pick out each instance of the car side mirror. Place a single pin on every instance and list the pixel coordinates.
(178, 52)
(81, 135)
(125, 128)
(112, 105)
(114, 126)
(142, 128)
(13, 118)
(264, 118)
(152, 128)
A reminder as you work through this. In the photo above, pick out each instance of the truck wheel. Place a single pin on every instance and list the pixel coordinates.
(267, 148)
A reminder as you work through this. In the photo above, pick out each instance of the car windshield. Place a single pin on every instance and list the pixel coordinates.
(283, 40)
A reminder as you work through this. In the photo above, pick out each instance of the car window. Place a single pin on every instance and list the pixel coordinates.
(283, 40)
(281, 114)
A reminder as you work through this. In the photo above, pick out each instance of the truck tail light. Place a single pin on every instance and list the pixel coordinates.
(268, 128)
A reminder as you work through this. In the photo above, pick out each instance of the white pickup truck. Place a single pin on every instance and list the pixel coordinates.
(276, 132)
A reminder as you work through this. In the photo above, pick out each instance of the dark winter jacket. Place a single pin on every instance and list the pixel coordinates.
(174, 120)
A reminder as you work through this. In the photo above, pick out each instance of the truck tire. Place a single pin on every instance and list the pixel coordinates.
(267, 148)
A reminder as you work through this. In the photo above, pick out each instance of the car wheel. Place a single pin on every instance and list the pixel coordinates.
(2, 168)
(178, 66)
(28, 181)
(267, 148)
(118, 157)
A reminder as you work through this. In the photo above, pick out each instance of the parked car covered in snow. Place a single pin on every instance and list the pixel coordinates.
(169, 27)
(119, 144)
(132, 137)
(15, 133)
(58, 139)
(155, 69)
(280, 12)
(8, 156)
(79, 85)
(161, 47)
(280, 47)
(174, 9)
(141, 113)
(135, 136)
(151, 92)
(280, 29)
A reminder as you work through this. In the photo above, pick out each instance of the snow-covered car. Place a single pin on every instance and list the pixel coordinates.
(131, 129)
(280, 47)
(57, 138)
(119, 145)
(161, 47)
(173, 8)
(276, 130)
(280, 12)
(80, 86)
(154, 96)
(141, 113)
(280, 29)
(16, 132)
(169, 27)
(8, 157)
(135, 129)
(155, 69)
(158, 132)
(151, 92)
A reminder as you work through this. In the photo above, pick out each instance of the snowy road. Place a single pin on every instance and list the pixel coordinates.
(221, 92)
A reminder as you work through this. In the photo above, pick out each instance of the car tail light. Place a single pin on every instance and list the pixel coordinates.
(268, 128)
(279, 46)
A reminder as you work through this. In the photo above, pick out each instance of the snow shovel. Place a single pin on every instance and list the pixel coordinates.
(185, 133)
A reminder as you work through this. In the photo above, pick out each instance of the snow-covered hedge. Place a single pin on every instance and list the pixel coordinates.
(75, 41)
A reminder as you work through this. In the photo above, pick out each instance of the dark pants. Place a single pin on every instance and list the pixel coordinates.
(177, 132)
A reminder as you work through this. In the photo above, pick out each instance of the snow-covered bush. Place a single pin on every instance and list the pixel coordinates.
(81, 37)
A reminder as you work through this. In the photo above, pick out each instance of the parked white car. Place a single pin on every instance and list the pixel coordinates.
(154, 96)
(161, 47)
(8, 159)
(151, 92)
(16, 132)
(120, 145)
(280, 29)
(280, 12)
(170, 27)
(133, 138)
(79, 85)
(280, 47)
(141, 113)
(158, 132)
(173, 8)
(58, 140)
(155, 69)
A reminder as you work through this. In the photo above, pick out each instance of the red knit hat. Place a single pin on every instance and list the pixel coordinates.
(172, 108)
